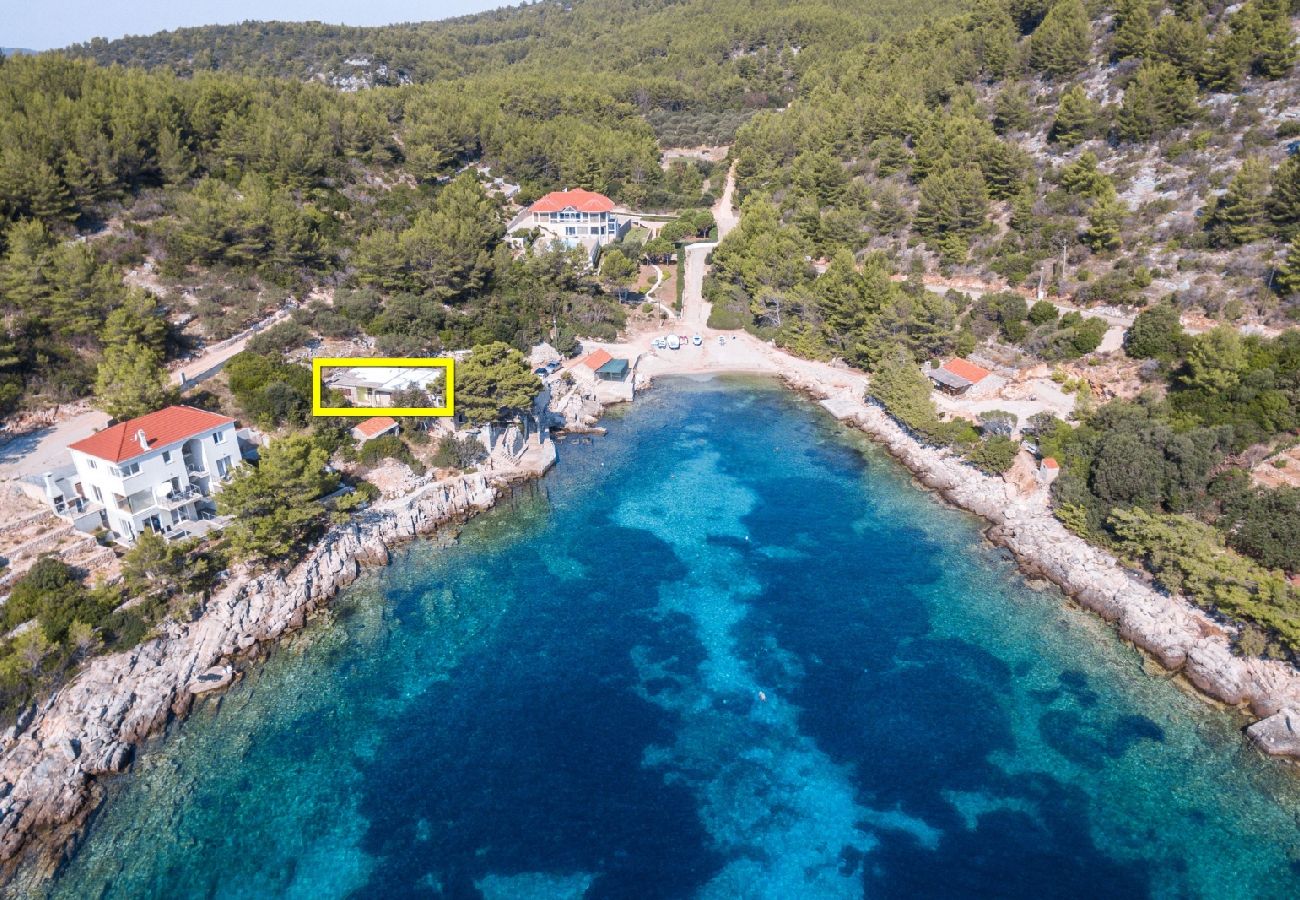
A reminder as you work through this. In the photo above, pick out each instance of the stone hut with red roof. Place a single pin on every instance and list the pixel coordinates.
(964, 378)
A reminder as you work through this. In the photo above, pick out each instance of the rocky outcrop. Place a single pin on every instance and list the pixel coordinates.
(50, 760)
(1181, 637)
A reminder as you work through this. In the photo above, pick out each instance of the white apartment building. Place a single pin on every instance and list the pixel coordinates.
(157, 471)
(574, 217)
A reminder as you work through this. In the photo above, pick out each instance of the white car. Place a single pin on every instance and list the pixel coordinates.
(696, 339)
(673, 343)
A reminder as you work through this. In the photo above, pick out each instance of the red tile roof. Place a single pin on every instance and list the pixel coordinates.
(167, 426)
(376, 426)
(579, 199)
(966, 369)
(597, 359)
(1050, 462)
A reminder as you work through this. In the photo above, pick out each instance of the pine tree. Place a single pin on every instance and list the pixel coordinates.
(273, 505)
(1239, 216)
(1274, 45)
(1011, 110)
(1076, 117)
(952, 200)
(1061, 44)
(840, 300)
(1004, 167)
(494, 383)
(1181, 42)
(1105, 224)
(1083, 178)
(1156, 100)
(1133, 30)
(131, 381)
(1288, 276)
(1284, 198)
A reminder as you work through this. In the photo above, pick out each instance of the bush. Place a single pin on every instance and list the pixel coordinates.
(455, 452)
(390, 446)
(994, 455)
(1042, 313)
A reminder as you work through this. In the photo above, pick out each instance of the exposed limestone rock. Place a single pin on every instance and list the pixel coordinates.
(1279, 734)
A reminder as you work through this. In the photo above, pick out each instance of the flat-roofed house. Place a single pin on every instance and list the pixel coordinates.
(376, 385)
(157, 471)
(575, 218)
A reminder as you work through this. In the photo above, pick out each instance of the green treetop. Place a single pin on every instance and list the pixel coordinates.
(1284, 198)
(131, 381)
(273, 504)
(1105, 224)
(1076, 117)
(1133, 29)
(494, 383)
(1288, 276)
(1239, 216)
(1060, 45)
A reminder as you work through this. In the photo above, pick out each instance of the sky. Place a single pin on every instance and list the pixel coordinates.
(47, 24)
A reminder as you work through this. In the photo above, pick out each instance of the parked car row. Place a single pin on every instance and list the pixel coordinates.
(674, 342)
(549, 369)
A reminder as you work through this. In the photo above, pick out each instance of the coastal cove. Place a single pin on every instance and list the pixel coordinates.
(727, 644)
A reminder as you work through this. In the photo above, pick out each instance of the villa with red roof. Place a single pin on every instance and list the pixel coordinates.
(575, 218)
(157, 471)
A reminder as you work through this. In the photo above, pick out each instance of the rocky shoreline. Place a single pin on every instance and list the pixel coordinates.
(52, 759)
(1182, 638)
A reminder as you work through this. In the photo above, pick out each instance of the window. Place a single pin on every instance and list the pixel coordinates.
(91, 463)
(167, 456)
(219, 437)
(223, 466)
(99, 495)
(126, 471)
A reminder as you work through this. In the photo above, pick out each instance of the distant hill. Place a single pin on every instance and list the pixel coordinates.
(669, 54)
(15, 51)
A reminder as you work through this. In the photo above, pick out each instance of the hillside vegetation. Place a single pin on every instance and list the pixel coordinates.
(674, 55)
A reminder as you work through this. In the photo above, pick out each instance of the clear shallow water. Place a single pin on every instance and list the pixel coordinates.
(567, 703)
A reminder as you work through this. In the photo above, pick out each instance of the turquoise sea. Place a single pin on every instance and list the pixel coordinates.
(727, 650)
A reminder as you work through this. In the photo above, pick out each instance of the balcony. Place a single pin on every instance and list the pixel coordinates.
(176, 499)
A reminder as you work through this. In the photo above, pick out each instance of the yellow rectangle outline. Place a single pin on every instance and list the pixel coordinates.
(320, 363)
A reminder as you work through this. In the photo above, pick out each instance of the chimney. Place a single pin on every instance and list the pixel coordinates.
(144, 441)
